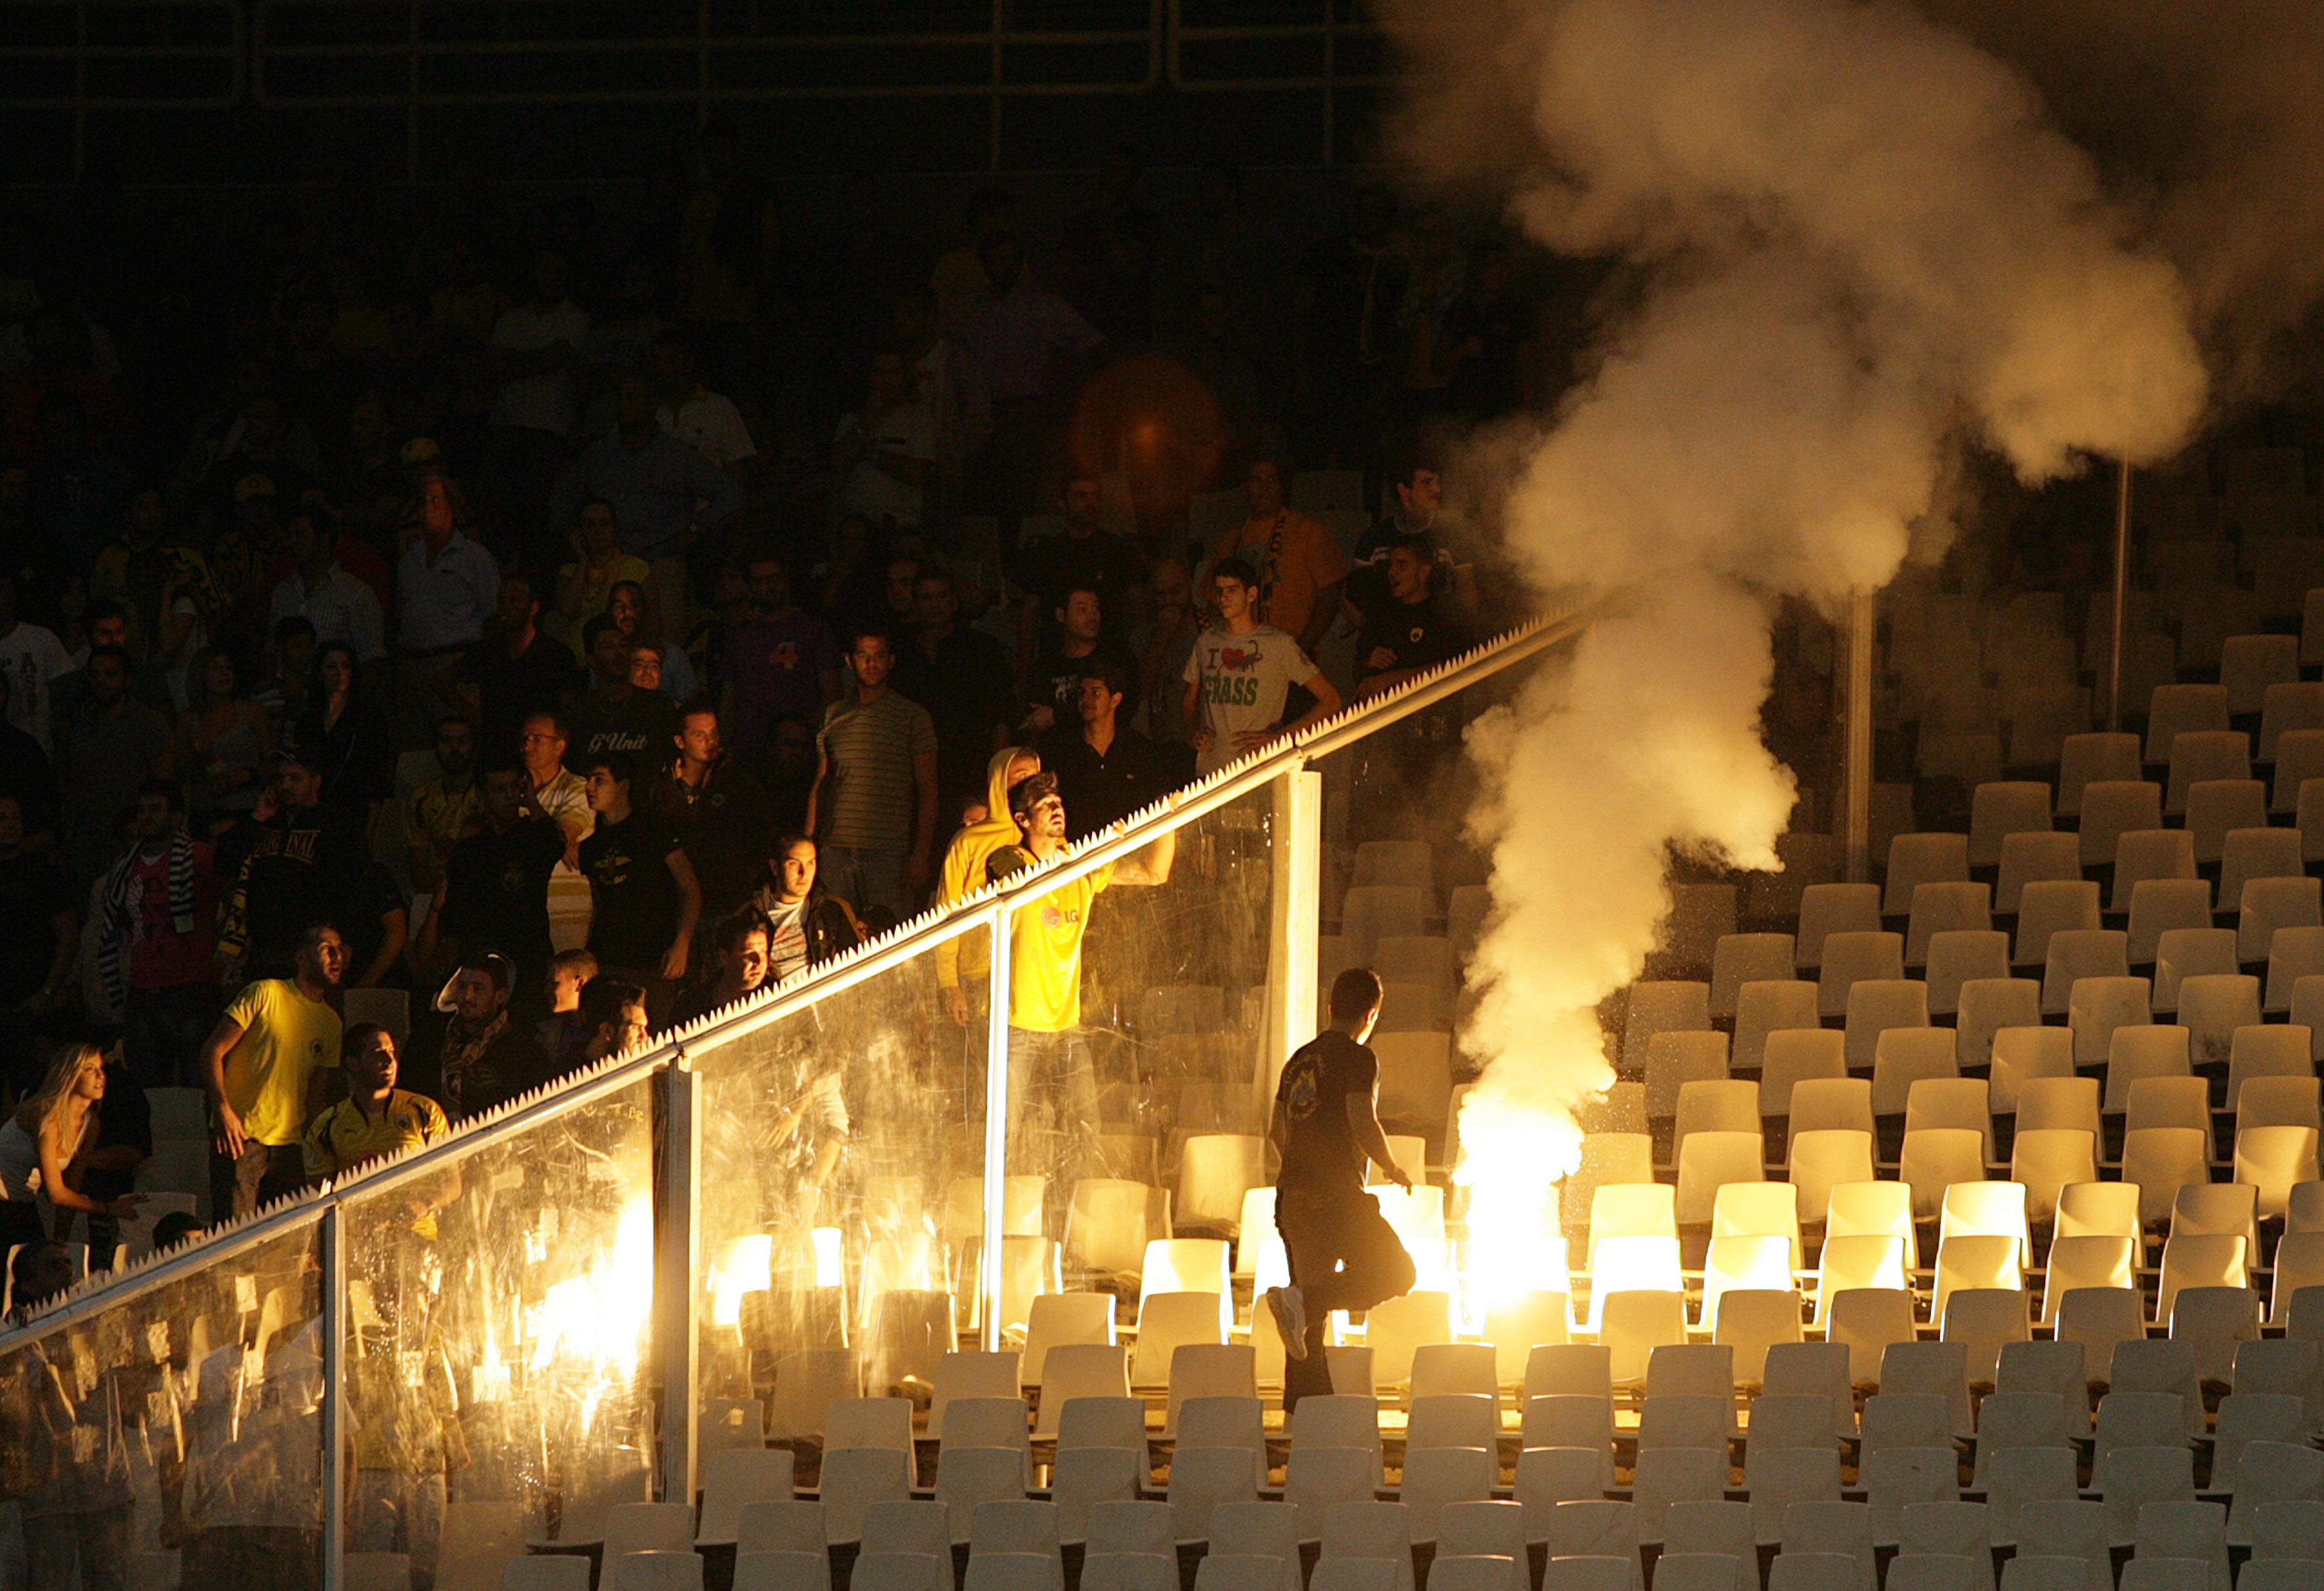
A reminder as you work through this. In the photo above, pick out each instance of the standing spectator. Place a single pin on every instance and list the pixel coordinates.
(563, 797)
(33, 657)
(79, 494)
(1300, 568)
(1105, 770)
(1053, 1109)
(885, 452)
(1240, 675)
(1346, 287)
(494, 895)
(1418, 511)
(873, 808)
(375, 1119)
(1080, 642)
(584, 586)
(341, 606)
(618, 715)
(378, 918)
(724, 820)
(115, 746)
(488, 1057)
(663, 490)
(950, 387)
(345, 737)
(533, 347)
(779, 660)
(613, 1012)
(515, 670)
(1173, 626)
(1085, 557)
(445, 587)
(694, 414)
(223, 742)
(964, 961)
(629, 606)
(44, 1149)
(959, 274)
(645, 898)
(807, 922)
(961, 675)
(39, 930)
(1409, 632)
(156, 942)
(447, 809)
(264, 1066)
(790, 775)
(284, 693)
(1029, 346)
(740, 970)
(25, 771)
(299, 859)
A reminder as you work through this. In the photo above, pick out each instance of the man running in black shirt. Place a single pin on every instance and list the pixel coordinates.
(1343, 1253)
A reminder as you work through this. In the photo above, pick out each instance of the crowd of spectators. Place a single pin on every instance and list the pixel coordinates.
(575, 620)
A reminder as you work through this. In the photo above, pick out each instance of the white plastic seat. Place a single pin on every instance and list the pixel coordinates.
(1947, 1101)
(2128, 1478)
(2113, 807)
(2159, 906)
(2211, 1008)
(2022, 1057)
(1765, 1006)
(734, 1478)
(1897, 1478)
(2047, 1161)
(1317, 1479)
(784, 1572)
(1673, 1060)
(1740, 958)
(1815, 1370)
(1665, 1476)
(2100, 1007)
(1902, 1058)
(2271, 1476)
(1869, 1321)
(968, 1477)
(2248, 1416)
(2058, 1531)
(1260, 1533)
(2270, 904)
(1478, 1572)
(854, 1478)
(1437, 1477)
(658, 1569)
(1935, 1158)
(1869, 1208)
(1549, 1476)
(1451, 1419)
(1710, 1161)
(1486, 1528)
(2023, 1476)
(2079, 953)
(1826, 1159)
(1826, 908)
(2251, 855)
(1370, 1531)
(2049, 907)
(1915, 859)
(1945, 908)
(1671, 1006)
(1957, 956)
(1933, 1369)
(2275, 1159)
(2217, 807)
(1987, 1006)
(2085, 758)
(1204, 1480)
(1850, 958)
(2276, 1050)
(1011, 1571)
(2198, 756)
(1222, 1571)
(1841, 1530)
(1998, 809)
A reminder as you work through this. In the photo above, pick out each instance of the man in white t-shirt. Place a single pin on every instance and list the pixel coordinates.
(534, 344)
(1241, 671)
(33, 657)
(692, 412)
(885, 452)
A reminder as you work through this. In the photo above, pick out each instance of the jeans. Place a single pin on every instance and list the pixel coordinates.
(1344, 1255)
(1052, 1108)
(868, 880)
(264, 1173)
(93, 1541)
(162, 1029)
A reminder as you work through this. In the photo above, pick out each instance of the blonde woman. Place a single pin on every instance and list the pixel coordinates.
(42, 1143)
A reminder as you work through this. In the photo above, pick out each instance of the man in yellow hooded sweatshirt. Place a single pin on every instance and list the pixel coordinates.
(967, 959)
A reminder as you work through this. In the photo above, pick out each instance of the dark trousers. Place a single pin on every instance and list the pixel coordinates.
(263, 1173)
(162, 1029)
(1344, 1255)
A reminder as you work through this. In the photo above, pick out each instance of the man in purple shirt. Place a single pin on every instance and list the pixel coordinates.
(1030, 345)
(779, 662)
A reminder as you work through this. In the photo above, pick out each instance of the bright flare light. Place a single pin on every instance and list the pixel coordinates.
(1514, 1152)
(588, 1327)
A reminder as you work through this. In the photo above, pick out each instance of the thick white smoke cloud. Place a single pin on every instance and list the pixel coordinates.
(1866, 248)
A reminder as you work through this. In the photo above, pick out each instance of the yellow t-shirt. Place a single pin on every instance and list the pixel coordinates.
(286, 1039)
(1045, 956)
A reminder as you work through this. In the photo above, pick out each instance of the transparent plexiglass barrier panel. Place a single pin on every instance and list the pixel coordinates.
(498, 1330)
(840, 1204)
(175, 1440)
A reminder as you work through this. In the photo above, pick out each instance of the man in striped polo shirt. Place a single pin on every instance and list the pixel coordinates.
(874, 807)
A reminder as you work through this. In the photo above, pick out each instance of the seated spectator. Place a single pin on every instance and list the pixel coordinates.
(488, 1057)
(645, 898)
(1173, 626)
(223, 742)
(345, 737)
(342, 607)
(723, 818)
(739, 971)
(661, 488)
(45, 1145)
(630, 606)
(113, 747)
(779, 662)
(692, 412)
(1054, 689)
(448, 808)
(174, 1228)
(156, 940)
(1408, 631)
(262, 1067)
(961, 675)
(564, 796)
(375, 1119)
(284, 693)
(585, 584)
(1300, 571)
(446, 586)
(885, 452)
(514, 670)
(618, 715)
(806, 923)
(40, 1273)
(294, 863)
(494, 893)
(613, 1010)
(33, 657)
(1105, 770)
(560, 1032)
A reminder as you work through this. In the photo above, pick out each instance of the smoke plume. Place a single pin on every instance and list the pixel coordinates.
(1867, 247)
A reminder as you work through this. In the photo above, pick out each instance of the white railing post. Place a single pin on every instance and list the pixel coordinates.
(332, 1259)
(677, 1208)
(1295, 911)
(996, 1132)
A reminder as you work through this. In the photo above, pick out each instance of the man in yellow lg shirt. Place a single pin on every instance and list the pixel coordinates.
(1053, 1107)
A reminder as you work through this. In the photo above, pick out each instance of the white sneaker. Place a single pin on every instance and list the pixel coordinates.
(1290, 1312)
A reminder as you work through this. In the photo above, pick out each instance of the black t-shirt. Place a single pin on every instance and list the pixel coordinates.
(634, 915)
(642, 724)
(368, 900)
(298, 869)
(509, 690)
(497, 886)
(1099, 790)
(728, 830)
(1319, 1151)
(1109, 565)
(32, 891)
(1418, 636)
(1056, 681)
